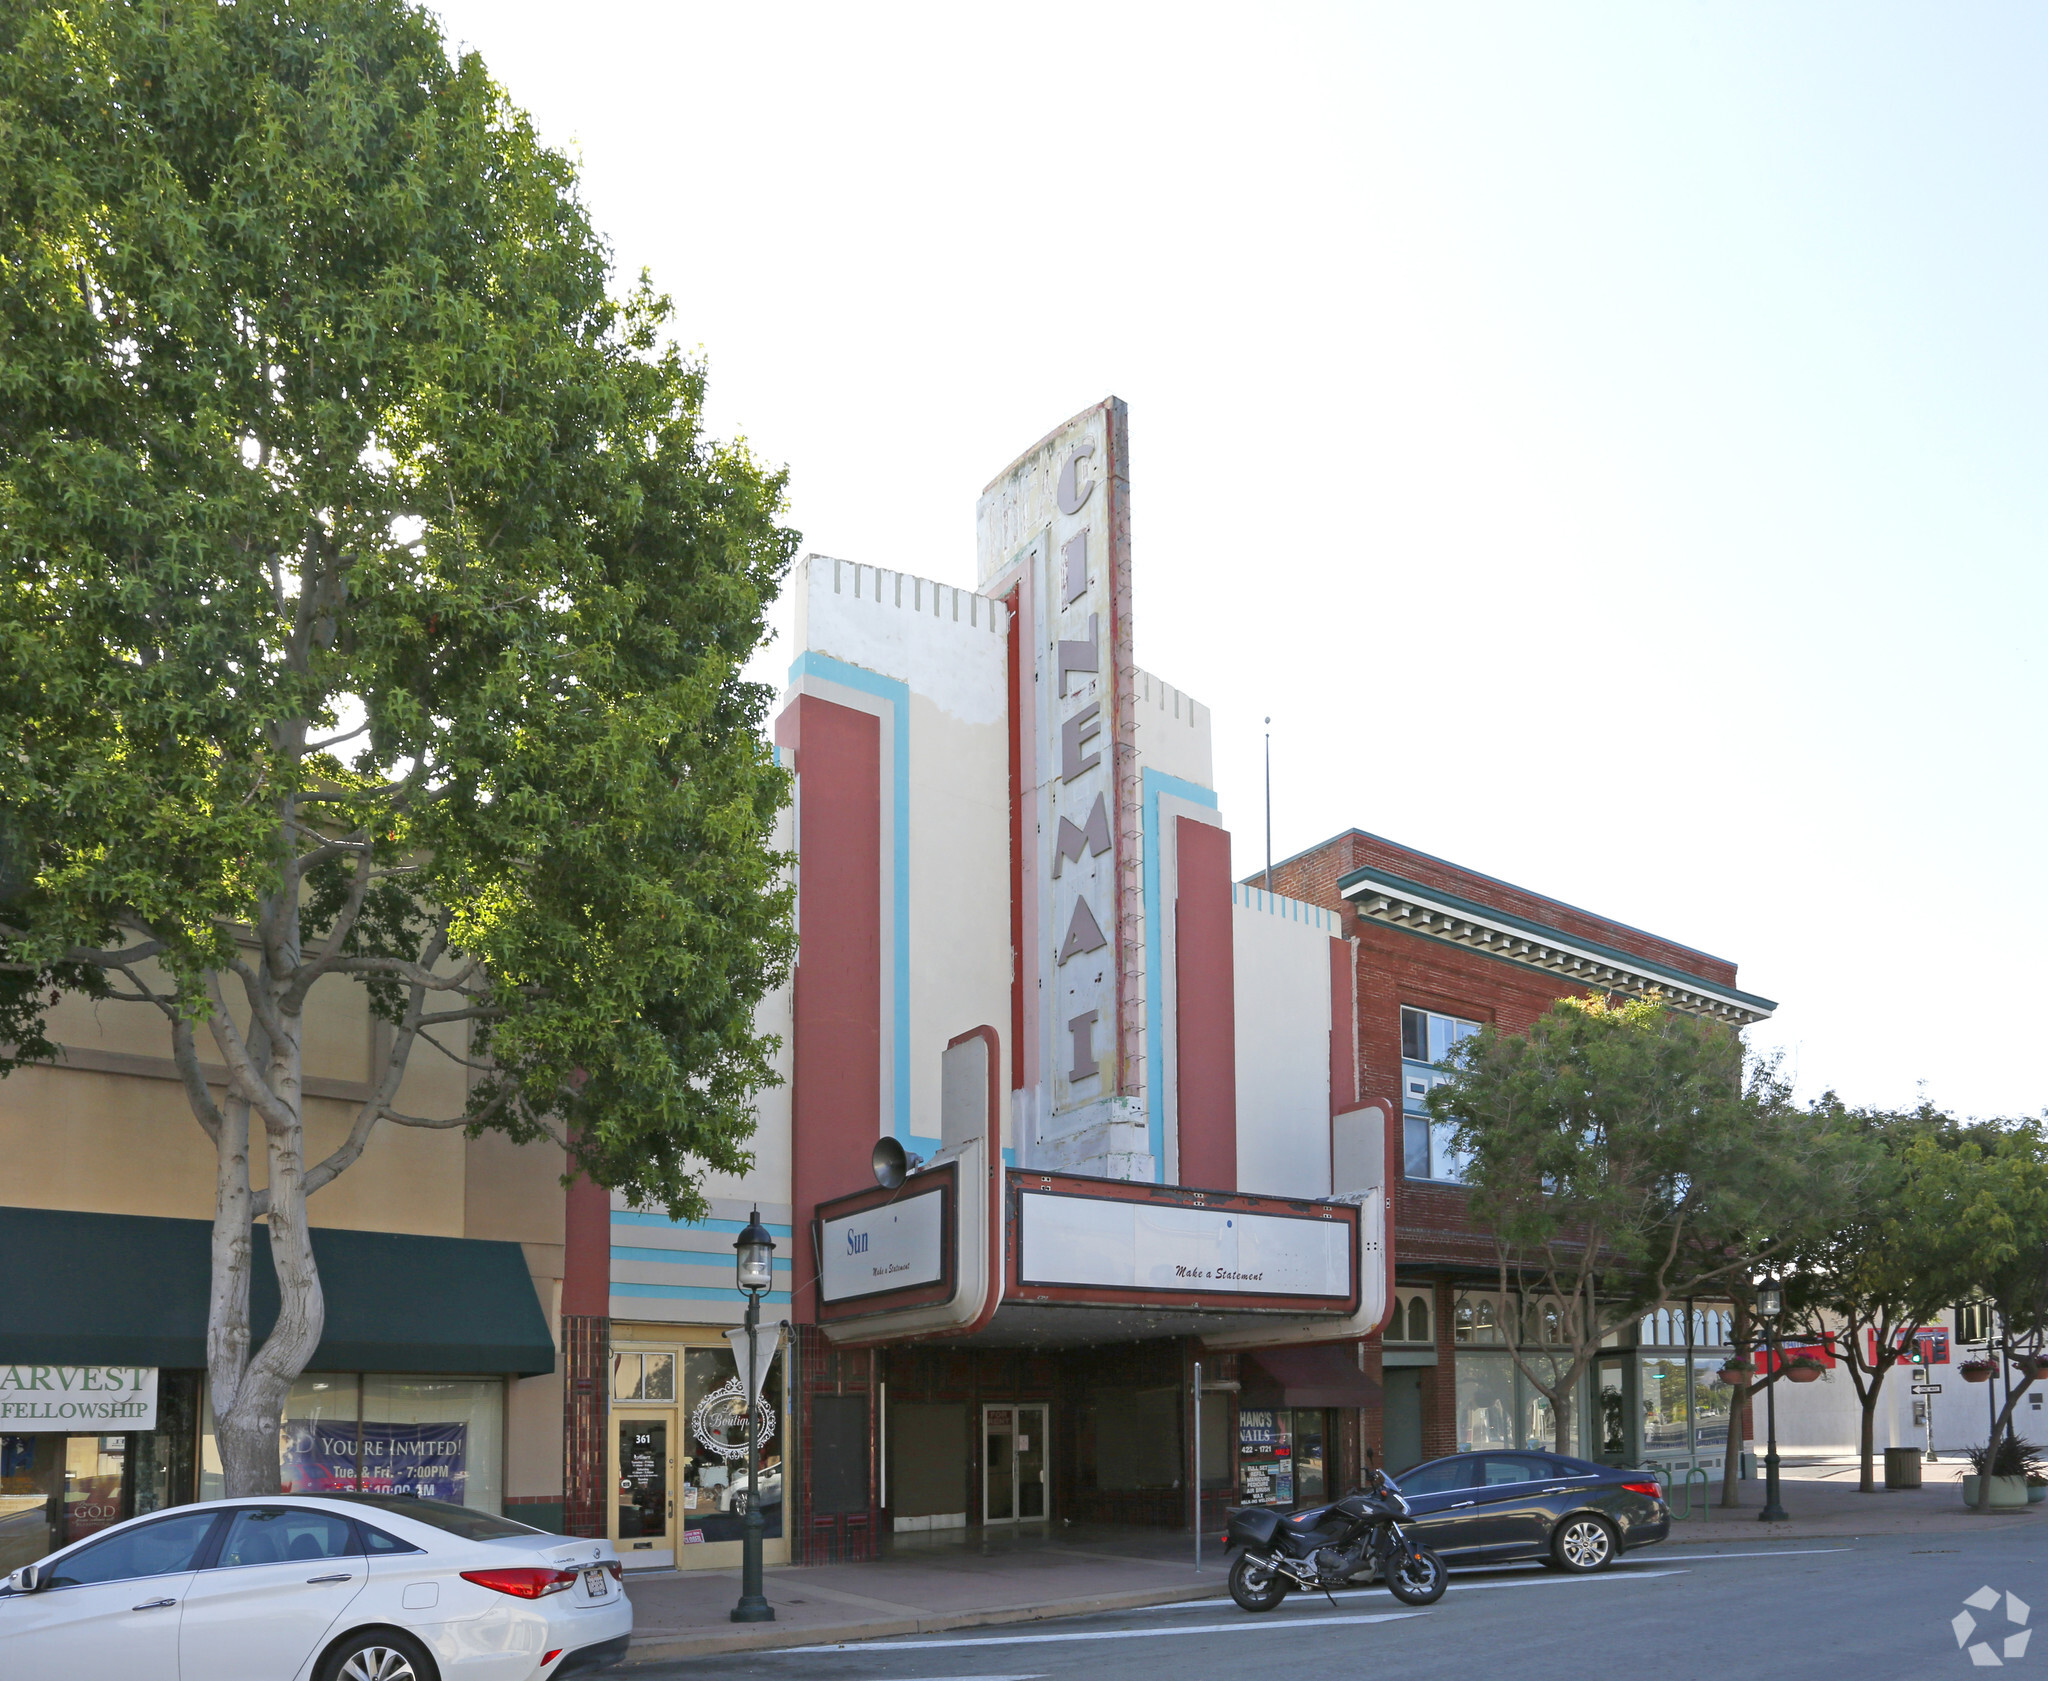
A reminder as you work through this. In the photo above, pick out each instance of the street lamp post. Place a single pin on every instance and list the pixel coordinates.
(1770, 1303)
(755, 1249)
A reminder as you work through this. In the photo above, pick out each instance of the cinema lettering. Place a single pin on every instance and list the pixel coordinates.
(106, 1399)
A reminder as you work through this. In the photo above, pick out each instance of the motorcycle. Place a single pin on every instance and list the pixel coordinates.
(1323, 1548)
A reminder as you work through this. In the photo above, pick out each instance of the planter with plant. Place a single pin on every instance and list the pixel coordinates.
(1737, 1372)
(1803, 1368)
(2017, 1465)
(1975, 1371)
(2031, 1365)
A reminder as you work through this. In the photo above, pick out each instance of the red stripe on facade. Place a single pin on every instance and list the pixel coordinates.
(587, 1249)
(836, 1089)
(1204, 976)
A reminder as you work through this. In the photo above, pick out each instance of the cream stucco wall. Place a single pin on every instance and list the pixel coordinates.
(1282, 1000)
(947, 648)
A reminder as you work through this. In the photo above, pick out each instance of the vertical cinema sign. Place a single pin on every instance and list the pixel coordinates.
(1055, 528)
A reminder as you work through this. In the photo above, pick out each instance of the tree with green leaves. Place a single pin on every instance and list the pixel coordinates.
(2005, 1211)
(372, 615)
(1623, 1155)
(1942, 1210)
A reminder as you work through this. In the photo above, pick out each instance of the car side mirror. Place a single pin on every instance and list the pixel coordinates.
(30, 1578)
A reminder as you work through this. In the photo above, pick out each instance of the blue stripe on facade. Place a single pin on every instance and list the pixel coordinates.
(1157, 783)
(696, 1293)
(632, 1217)
(682, 1257)
(897, 694)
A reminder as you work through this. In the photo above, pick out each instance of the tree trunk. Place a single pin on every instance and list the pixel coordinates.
(1561, 1410)
(249, 1394)
(1731, 1458)
(1738, 1403)
(1999, 1431)
(227, 1317)
(1868, 1445)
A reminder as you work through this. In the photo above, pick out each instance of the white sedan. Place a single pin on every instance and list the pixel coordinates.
(330, 1587)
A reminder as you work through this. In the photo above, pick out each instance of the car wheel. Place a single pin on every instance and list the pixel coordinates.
(1583, 1545)
(379, 1654)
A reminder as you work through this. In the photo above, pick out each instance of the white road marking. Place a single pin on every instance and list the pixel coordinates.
(1774, 1552)
(1239, 1627)
(1307, 1598)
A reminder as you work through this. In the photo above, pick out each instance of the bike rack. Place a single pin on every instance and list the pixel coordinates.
(1706, 1492)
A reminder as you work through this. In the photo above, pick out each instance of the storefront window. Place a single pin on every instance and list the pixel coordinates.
(1665, 1424)
(93, 1469)
(1485, 1401)
(31, 1497)
(439, 1438)
(56, 1488)
(1265, 1447)
(1710, 1402)
(1310, 1480)
(643, 1377)
(1611, 1428)
(713, 1460)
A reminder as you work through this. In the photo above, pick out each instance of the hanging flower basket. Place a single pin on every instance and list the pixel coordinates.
(1800, 1369)
(1736, 1373)
(2031, 1365)
(1975, 1371)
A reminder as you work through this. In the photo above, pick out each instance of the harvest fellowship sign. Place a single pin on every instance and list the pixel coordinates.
(98, 1399)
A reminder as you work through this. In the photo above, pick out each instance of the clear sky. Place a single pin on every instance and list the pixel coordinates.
(1606, 439)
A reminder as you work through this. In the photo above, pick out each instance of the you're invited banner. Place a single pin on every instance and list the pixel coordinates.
(102, 1400)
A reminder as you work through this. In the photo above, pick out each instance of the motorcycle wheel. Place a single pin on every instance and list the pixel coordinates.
(1418, 1579)
(1254, 1587)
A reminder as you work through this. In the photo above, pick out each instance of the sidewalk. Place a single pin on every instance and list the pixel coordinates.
(957, 1579)
(1822, 1501)
(964, 1578)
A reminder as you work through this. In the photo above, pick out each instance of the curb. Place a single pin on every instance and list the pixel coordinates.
(661, 1648)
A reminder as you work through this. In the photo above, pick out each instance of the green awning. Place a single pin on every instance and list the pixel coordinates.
(130, 1290)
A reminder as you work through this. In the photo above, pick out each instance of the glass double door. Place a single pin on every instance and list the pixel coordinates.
(1016, 1485)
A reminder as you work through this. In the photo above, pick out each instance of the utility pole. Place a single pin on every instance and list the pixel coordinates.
(1269, 805)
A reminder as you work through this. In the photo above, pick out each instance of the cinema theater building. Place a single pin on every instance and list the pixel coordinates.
(1165, 1131)
(1126, 1088)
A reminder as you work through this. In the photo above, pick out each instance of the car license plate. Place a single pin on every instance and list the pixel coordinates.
(594, 1581)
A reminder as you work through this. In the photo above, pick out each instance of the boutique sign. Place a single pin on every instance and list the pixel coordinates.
(96, 1400)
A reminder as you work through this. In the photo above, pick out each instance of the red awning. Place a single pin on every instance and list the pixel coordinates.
(1313, 1375)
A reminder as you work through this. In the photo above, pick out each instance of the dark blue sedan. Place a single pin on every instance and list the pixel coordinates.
(1493, 1507)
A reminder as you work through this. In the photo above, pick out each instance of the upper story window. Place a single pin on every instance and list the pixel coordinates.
(1426, 1039)
(1409, 1322)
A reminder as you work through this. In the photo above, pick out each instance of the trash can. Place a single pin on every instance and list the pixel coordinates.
(1901, 1467)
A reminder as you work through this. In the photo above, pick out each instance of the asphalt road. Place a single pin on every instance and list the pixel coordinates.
(1870, 1610)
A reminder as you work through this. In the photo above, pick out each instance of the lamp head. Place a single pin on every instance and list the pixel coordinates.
(755, 1251)
(1770, 1299)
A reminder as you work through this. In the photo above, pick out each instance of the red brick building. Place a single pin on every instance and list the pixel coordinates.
(1441, 951)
